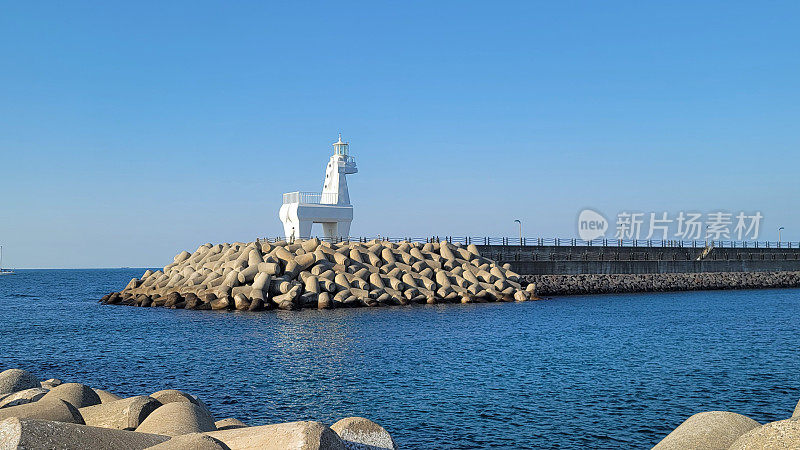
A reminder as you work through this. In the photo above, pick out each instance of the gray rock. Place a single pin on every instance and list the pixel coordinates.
(106, 397)
(241, 303)
(256, 305)
(192, 301)
(796, 413)
(24, 433)
(22, 397)
(221, 303)
(53, 409)
(292, 435)
(124, 414)
(324, 300)
(229, 423)
(51, 383)
(173, 298)
(708, 431)
(173, 395)
(783, 434)
(142, 300)
(360, 433)
(177, 418)
(78, 395)
(14, 380)
(192, 441)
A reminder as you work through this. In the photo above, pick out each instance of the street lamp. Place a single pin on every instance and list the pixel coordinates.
(520, 230)
(779, 236)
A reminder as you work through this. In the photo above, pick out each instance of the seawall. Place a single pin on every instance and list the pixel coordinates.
(659, 282)
(576, 260)
(569, 270)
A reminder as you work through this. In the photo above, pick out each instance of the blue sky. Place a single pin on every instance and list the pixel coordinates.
(132, 130)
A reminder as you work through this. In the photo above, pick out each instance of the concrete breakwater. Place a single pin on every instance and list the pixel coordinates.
(52, 414)
(658, 282)
(313, 274)
(722, 430)
(577, 259)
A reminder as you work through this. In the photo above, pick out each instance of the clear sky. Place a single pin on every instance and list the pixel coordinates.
(132, 130)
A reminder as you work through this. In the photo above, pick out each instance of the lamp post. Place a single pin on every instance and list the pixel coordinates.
(779, 236)
(520, 230)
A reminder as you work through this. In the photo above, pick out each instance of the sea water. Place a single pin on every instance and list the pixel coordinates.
(600, 371)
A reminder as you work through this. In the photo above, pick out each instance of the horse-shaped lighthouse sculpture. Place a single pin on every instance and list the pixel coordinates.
(331, 208)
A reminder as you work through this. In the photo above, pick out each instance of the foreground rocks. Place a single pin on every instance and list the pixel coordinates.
(358, 432)
(259, 276)
(708, 430)
(658, 282)
(74, 416)
(721, 430)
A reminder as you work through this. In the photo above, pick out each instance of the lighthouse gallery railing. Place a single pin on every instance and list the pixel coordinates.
(314, 198)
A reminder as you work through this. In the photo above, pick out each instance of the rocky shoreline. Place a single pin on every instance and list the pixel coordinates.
(258, 276)
(658, 282)
(52, 414)
(722, 430)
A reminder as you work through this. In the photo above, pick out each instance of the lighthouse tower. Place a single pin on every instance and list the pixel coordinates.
(331, 207)
(334, 190)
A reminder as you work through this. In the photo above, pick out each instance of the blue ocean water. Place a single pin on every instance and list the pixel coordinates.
(592, 371)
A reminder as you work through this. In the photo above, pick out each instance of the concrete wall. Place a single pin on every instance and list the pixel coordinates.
(659, 282)
(569, 260)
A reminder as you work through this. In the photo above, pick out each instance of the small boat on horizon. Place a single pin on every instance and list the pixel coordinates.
(4, 271)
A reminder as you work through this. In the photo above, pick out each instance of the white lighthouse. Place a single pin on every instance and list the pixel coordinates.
(331, 208)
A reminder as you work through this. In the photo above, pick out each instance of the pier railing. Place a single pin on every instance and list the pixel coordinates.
(567, 242)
